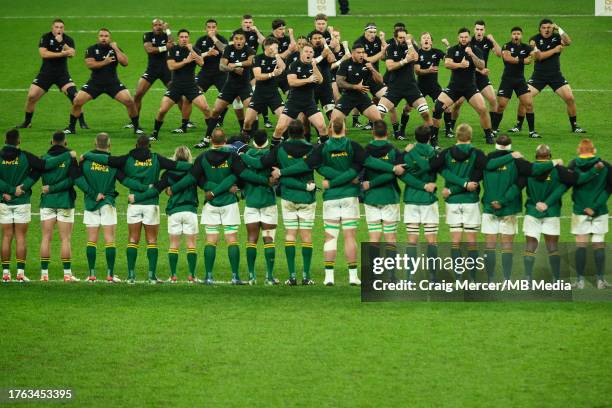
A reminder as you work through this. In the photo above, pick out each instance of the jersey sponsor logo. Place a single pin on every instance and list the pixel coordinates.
(339, 154)
(62, 165)
(502, 168)
(223, 165)
(146, 163)
(11, 162)
(99, 167)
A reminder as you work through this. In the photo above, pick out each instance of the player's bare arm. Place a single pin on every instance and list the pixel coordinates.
(121, 57)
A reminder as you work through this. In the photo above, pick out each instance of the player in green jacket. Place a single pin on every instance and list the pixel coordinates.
(16, 166)
(298, 201)
(590, 212)
(502, 200)
(216, 171)
(144, 166)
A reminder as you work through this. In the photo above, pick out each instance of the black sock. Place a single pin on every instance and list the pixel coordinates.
(496, 120)
(184, 123)
(531, 121)
(488, 133)
(211, 123)
(82, 119)
(572, 120)
(600, 261)
(519, 121)
(73, 120)
(355, 119)
(222, 116)
(28, 118)
(447, 121)
(452, 123)
(265, 117)
(135, 121)
(580, 261)
(404, 121)
(158, 125)
(241, 123)
(275, 141)
(492, 116)
(395, 126)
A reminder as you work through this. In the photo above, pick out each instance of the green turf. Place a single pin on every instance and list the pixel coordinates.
(185, 346)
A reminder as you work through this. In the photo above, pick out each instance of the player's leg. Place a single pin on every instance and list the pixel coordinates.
(249, 118)
(443, 102)
(151, 232)
(531, 246)
(523, 110)
(502, 103)
(490, 255)
(306, 225)
(110, 250)
(251, 246)
(126, 100)
(70, 90)
(64, 229)
(8, 230)
(46, 229)
(291, 230)
(331, 227)
(384, 106)
(478, 103)
(281, 128)
(404, 119)
(134, 231)
(21, 247)
(220, 106)
(164, 106)
(489, 95)
(192, 255)
(34, 94)
(230, 233)
(372, 113)
(507, 255)
(174, 242)
(141, 89)
(554, 259)
(454, 219)
(210, 249)
(526, 100)
(565, 92)
(78, 102)
(318, 121)
(349, 232)
(268, 232)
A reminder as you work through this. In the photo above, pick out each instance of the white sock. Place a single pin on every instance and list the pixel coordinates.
(329, 275)
(67, 272)
(20, 272)
(44, 271)
(353, 275)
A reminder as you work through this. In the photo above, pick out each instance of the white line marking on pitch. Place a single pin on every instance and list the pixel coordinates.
(475, 14)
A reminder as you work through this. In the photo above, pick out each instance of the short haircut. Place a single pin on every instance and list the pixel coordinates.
(143, 142)
(428, 33)
(307, 44)
(102, 140)
(260, 137)
(104, 29)
(379, 128)
(182, 153)
(399, 30)
(586, 146)
(542, 152)
(295, 129)
(464, 132)
(503, 140)
(269, 41)
(58, 20)
(422, 134)
(398, 25)
(321, 16)
(545, 21)
(218, 136)
(279, 22)
(369, 26)
(239, 31)
(313, 33)
(12, 137)
(183, 30)
(337, 126)
(211, 20)
(356, 46)
(464, 30)
(58, 137)
(247, 17)
(479, 22)
(516, 28)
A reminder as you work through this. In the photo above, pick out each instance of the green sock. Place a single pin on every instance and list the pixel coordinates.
(528, 261)
(66, 264)
(490, 262)
(111, 254)
(210, 253)
(152, 253)
(554, 260)
(432, 252)
(21, 264)
(251, 254)
(44, 264)
(91, 259)
(507, 263)
(456, 254)
(192, 260)
(269, 254)
(411, 251)
(473, 254)
(173, 260)
(600, 261)
(131, 253)
(233, 253)
(580, 261)
(306, 258)
(290, 255)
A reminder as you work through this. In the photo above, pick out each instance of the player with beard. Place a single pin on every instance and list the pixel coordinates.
(324, 57)
(102, 59)
(462, 60)
(237, 60)
(549, 44)
(55, 47)
(287, 48)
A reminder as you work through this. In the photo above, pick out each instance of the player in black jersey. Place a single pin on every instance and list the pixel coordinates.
(266, 68)
(548, 46)
(237, 60)
(400, 59)
(182, 61)
(253, 36)
(55, 47)
(323, 55)
(463, 60)
(426, 69)
(322, 27)
(102, 59)
(293, 56)
(303, 76)
(353, 77)
(516, 55)
(342, 53)
(486, 44)
(286, 46)
(375, 46)
(156, 43)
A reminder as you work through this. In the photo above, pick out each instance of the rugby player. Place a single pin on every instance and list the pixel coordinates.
(237, 60)
(182, 61)
(463, 60)
(548, 45)
(516, 55)
(54, 47)
(322, 27)
(324, 56)
(102, 59)
(590, 212)
(15, 209)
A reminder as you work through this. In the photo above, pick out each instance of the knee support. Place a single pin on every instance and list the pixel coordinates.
(329, 107)
(71, 93)
(230, 229)
(438, 110)
(269, 233)
(331, 238)
(237, 104)
(423, 108)
(382, 109)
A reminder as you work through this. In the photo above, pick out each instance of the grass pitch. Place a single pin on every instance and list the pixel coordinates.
(186, 346)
